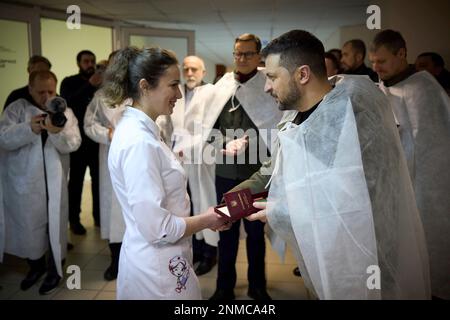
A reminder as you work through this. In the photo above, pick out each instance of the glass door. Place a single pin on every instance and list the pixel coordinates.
(14, 54)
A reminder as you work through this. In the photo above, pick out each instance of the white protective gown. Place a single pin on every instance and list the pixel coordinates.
(194, 129)
(342, 197)
(26, 167)
(97, 121)
(150, 184)
(179, 131)
(423, 110)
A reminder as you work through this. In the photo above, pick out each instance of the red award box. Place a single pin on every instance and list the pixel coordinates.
(239, 204)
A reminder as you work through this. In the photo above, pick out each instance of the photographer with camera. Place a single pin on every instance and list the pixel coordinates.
(78, 90)
(36, 139)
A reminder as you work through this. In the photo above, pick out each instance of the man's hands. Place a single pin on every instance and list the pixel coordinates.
(47, 125)
(43, 122)
(260, 215)
(235, 147)
(36, 123)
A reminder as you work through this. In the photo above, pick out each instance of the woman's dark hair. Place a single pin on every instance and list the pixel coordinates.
(129, 66)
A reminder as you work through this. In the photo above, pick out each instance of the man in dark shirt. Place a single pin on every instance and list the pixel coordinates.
(36, 63)
(352, 61)
(234, 117)
(78, 90)
(434, 64)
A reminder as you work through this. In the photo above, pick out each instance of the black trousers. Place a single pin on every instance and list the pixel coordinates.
(41, 264)
(86, 156)
(203, 250)
(115, 253)
(229, 244)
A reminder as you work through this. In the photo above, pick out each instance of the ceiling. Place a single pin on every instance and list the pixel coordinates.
(217, 23)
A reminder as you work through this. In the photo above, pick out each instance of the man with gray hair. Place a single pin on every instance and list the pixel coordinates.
(193, 73)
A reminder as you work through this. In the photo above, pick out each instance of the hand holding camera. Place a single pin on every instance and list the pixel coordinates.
(54, 120)
(36, 123)
(48, 125)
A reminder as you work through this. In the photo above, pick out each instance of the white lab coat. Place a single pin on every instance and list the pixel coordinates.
(26, 166)
(204, 109)
(97, 121)
(422, 108)
(342, 197)
(150, 184)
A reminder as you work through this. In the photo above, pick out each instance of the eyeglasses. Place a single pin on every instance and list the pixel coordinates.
(246, 55)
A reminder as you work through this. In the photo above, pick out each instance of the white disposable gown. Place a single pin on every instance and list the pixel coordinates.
(180, 134)
(342, 197)
(26, 166)
(423, 110)
(97, 121)
(204, 109)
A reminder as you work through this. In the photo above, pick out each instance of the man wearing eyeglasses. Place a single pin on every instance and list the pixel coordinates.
(239, 105)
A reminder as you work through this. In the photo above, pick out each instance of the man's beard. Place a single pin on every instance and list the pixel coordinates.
(292, 98)
(191, 84)
(88, 72)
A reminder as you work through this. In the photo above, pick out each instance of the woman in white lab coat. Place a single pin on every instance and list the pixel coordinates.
(99, 123)
(150, 183)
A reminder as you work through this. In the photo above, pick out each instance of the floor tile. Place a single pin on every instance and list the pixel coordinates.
(66, 294)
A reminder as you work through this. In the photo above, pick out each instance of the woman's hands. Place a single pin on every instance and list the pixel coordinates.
(216, 221)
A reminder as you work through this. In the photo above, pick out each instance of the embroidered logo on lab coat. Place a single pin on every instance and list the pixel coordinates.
(180, 269)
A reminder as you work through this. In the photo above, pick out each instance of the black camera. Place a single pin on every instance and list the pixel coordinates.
(55, 108)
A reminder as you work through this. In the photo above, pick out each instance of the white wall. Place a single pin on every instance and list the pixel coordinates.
(358, 32)
(334, 41)
(61, 45)
(210, 70)
(425, 25)
(14, 54)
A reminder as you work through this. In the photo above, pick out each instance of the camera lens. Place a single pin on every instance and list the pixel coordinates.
(58, 119)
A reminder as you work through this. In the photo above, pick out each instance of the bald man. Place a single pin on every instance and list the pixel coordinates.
(35, 63)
